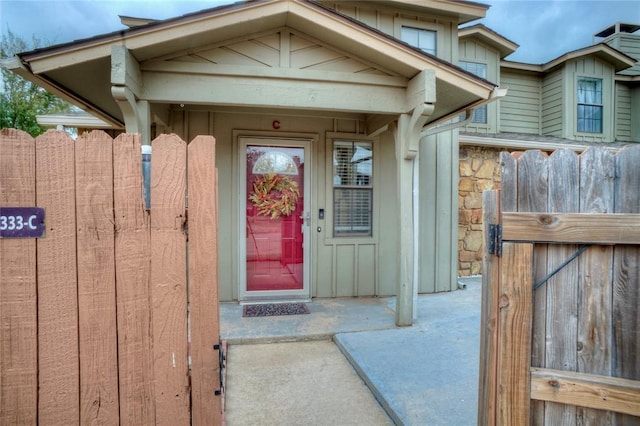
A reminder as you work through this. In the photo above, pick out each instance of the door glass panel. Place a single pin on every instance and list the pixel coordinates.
(275, 204)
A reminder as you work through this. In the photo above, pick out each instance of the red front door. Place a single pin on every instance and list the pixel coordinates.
(274, 208)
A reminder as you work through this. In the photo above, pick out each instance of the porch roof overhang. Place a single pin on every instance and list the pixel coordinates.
(81, 71)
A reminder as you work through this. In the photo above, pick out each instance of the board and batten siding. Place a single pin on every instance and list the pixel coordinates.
(552, 104)
(623, 112)
(390, 19)
(520, 109)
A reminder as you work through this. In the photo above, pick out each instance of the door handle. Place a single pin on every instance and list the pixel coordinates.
(305, 217)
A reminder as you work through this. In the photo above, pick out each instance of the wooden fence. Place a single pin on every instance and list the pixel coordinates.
(563, 348)
(93, 316)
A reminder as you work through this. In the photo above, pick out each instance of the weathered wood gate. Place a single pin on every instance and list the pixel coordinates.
(94, 316)
(563, 348)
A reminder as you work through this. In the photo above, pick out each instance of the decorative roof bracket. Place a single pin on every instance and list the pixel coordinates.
(126, 89)
(420, 102)
(410, 126)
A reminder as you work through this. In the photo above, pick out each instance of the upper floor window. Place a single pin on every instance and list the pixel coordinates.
(589, 105)
(352, 188)
(475, 68)
(425, 40)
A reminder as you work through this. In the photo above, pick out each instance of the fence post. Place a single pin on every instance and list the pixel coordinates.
(489, 315)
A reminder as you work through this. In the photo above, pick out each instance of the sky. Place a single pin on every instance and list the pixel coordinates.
(544, 29)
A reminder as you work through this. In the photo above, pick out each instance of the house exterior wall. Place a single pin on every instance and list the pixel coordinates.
(552, 104)
(539, 103)
(390, 20)
(635, 113)
(588, 67)
(479, 169)
(622, 111)
(520, 109)
(629, 44)
(340, 267)
(437, 161)
(438, 205)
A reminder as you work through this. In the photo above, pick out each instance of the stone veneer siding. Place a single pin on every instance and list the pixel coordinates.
(479, 171)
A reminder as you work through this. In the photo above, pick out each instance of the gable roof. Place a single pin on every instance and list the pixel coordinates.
(489, 37)
(461, 10)
(618, 59)
(80, 71)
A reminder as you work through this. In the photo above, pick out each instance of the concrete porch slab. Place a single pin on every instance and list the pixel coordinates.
(426, 374)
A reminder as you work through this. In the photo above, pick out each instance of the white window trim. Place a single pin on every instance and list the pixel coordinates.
(328, 218)
(608, 113)
(398, 23)
(602, 105)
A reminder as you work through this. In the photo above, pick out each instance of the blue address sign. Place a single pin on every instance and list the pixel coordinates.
(21, 222)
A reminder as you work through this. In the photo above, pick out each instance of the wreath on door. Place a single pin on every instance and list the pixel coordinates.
(274, 195)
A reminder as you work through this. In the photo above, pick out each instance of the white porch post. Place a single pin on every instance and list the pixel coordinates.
(420, 100)
(126, 88)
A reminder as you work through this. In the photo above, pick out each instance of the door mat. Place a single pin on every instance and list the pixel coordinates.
(274, 309)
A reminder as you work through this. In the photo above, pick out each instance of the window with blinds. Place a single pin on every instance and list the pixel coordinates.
(352, 188)
(590, 105)
(475, 68)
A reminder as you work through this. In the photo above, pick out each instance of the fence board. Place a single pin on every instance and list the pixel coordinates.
(96, 279)
(562, 290)
(587, 228)
(132, 254)
(532, 196)
(169, 281)
(595, 329)
(487, 389)
(203, 279)
(513, 403)
(587, 390)
(586, 340)
(626, 292)
(508, 183)
(18, 309)
(58, 369)
(94, 318)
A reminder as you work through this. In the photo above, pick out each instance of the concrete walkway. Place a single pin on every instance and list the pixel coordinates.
(297, 383)
(421, 375)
